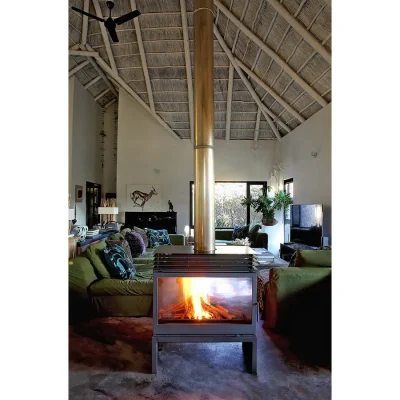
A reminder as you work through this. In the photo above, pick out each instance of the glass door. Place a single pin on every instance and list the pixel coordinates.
(93, 197)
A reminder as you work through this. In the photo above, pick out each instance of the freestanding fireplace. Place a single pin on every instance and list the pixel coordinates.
(205, 297)
(203, 293)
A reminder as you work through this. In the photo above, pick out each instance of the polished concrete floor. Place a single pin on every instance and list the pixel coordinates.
(110, 358)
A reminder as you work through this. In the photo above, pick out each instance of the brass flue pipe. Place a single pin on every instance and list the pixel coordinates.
(204, 180)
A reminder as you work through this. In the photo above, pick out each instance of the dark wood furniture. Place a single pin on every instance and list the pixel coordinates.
(152, 220)
(288, 249)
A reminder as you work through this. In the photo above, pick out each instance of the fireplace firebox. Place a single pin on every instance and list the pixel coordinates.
(205, 298)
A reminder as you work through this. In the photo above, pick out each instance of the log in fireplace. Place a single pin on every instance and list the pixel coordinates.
(209, 297)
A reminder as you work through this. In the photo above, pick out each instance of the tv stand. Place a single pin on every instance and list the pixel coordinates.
(289, 248)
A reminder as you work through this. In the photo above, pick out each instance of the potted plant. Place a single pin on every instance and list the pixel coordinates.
(265, 205)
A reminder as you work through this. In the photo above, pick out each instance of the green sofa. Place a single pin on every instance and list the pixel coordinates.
(92, 292)
(298, 301)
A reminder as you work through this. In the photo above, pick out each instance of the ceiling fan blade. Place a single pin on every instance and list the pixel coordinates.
(113, 35)
(126, 17)
(88, 14)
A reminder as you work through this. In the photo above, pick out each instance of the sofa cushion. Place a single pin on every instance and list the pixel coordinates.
(253, 233)
(118, 264)
(240, 232)
(146, 258)
(116, 236)
(141, 284)
(136, 244)
(143, 234)
(94, 254)
(125, 231)
(80, 275)
(313, 258)
(157, 237)
(122, 243)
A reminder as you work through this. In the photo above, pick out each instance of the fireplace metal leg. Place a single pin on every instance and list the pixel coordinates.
(154, 355)
(254, 356)
(250, 353)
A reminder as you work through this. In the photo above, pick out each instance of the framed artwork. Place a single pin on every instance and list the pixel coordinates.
(144, 197)
(78, 193)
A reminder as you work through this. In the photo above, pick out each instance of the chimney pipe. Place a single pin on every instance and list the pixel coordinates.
(204, 181)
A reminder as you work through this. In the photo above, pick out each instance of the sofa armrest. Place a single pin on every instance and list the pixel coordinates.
(261, 240)
(80, 276)
(293, 290)
(177, 240)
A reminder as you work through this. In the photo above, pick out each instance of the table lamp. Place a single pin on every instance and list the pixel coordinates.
(71, 216)
(107, 211)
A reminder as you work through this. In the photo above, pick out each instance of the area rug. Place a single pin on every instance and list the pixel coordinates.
(110, 358)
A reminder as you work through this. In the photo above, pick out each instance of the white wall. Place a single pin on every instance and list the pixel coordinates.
(109, 179)
(311, 176)
(84, 155)
(144, 145)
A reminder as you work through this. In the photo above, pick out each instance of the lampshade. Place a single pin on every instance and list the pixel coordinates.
(107, 210)
(71, 214)
(186, 230)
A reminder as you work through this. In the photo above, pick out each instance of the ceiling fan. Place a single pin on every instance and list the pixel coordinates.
(110, 23)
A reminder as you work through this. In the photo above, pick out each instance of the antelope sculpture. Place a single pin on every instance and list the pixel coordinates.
(141, 198)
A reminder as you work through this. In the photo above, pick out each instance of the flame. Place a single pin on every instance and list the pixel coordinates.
(194, 290)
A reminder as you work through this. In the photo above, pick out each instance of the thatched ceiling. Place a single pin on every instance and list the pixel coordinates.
(303, 92)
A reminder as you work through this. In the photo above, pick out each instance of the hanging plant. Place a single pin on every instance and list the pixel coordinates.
(282, 200)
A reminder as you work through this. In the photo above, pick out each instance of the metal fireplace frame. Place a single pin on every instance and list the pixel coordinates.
(200, 332)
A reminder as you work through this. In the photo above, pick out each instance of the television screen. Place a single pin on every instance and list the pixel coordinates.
(306, 224)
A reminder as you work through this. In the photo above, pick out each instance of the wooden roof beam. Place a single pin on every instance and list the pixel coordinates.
(104, 34)
(303, 32)
(100, 95)
(109, 103)
(272, 54)
(92, 61)
(92, 82)
(106, 68)
(257, 130)
(143, 57)
(229, 105)
(246, 6)
(268, 89)
(85, 22)
(188, 66)
(78, 68)
(253, 93)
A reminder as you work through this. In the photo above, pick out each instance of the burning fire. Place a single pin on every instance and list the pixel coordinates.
(195, 292)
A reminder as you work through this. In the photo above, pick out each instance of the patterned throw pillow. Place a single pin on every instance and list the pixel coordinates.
(240, 232)
(157, 237)
(142, 233)
(136, 244)
(253, 234)
(122, 243)
(117, 262)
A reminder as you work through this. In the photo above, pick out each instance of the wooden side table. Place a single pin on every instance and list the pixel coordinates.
(72, 241)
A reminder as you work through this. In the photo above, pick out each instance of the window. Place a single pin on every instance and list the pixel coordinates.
(288, 186)
(228, 210)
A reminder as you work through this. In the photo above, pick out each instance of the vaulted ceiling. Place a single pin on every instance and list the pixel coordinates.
(272, 62)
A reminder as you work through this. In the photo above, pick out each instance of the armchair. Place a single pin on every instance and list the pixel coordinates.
(298, 300)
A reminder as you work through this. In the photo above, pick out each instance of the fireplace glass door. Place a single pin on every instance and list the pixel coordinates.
(215, 300)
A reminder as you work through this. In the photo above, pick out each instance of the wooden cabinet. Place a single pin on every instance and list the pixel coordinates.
(152, 220)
